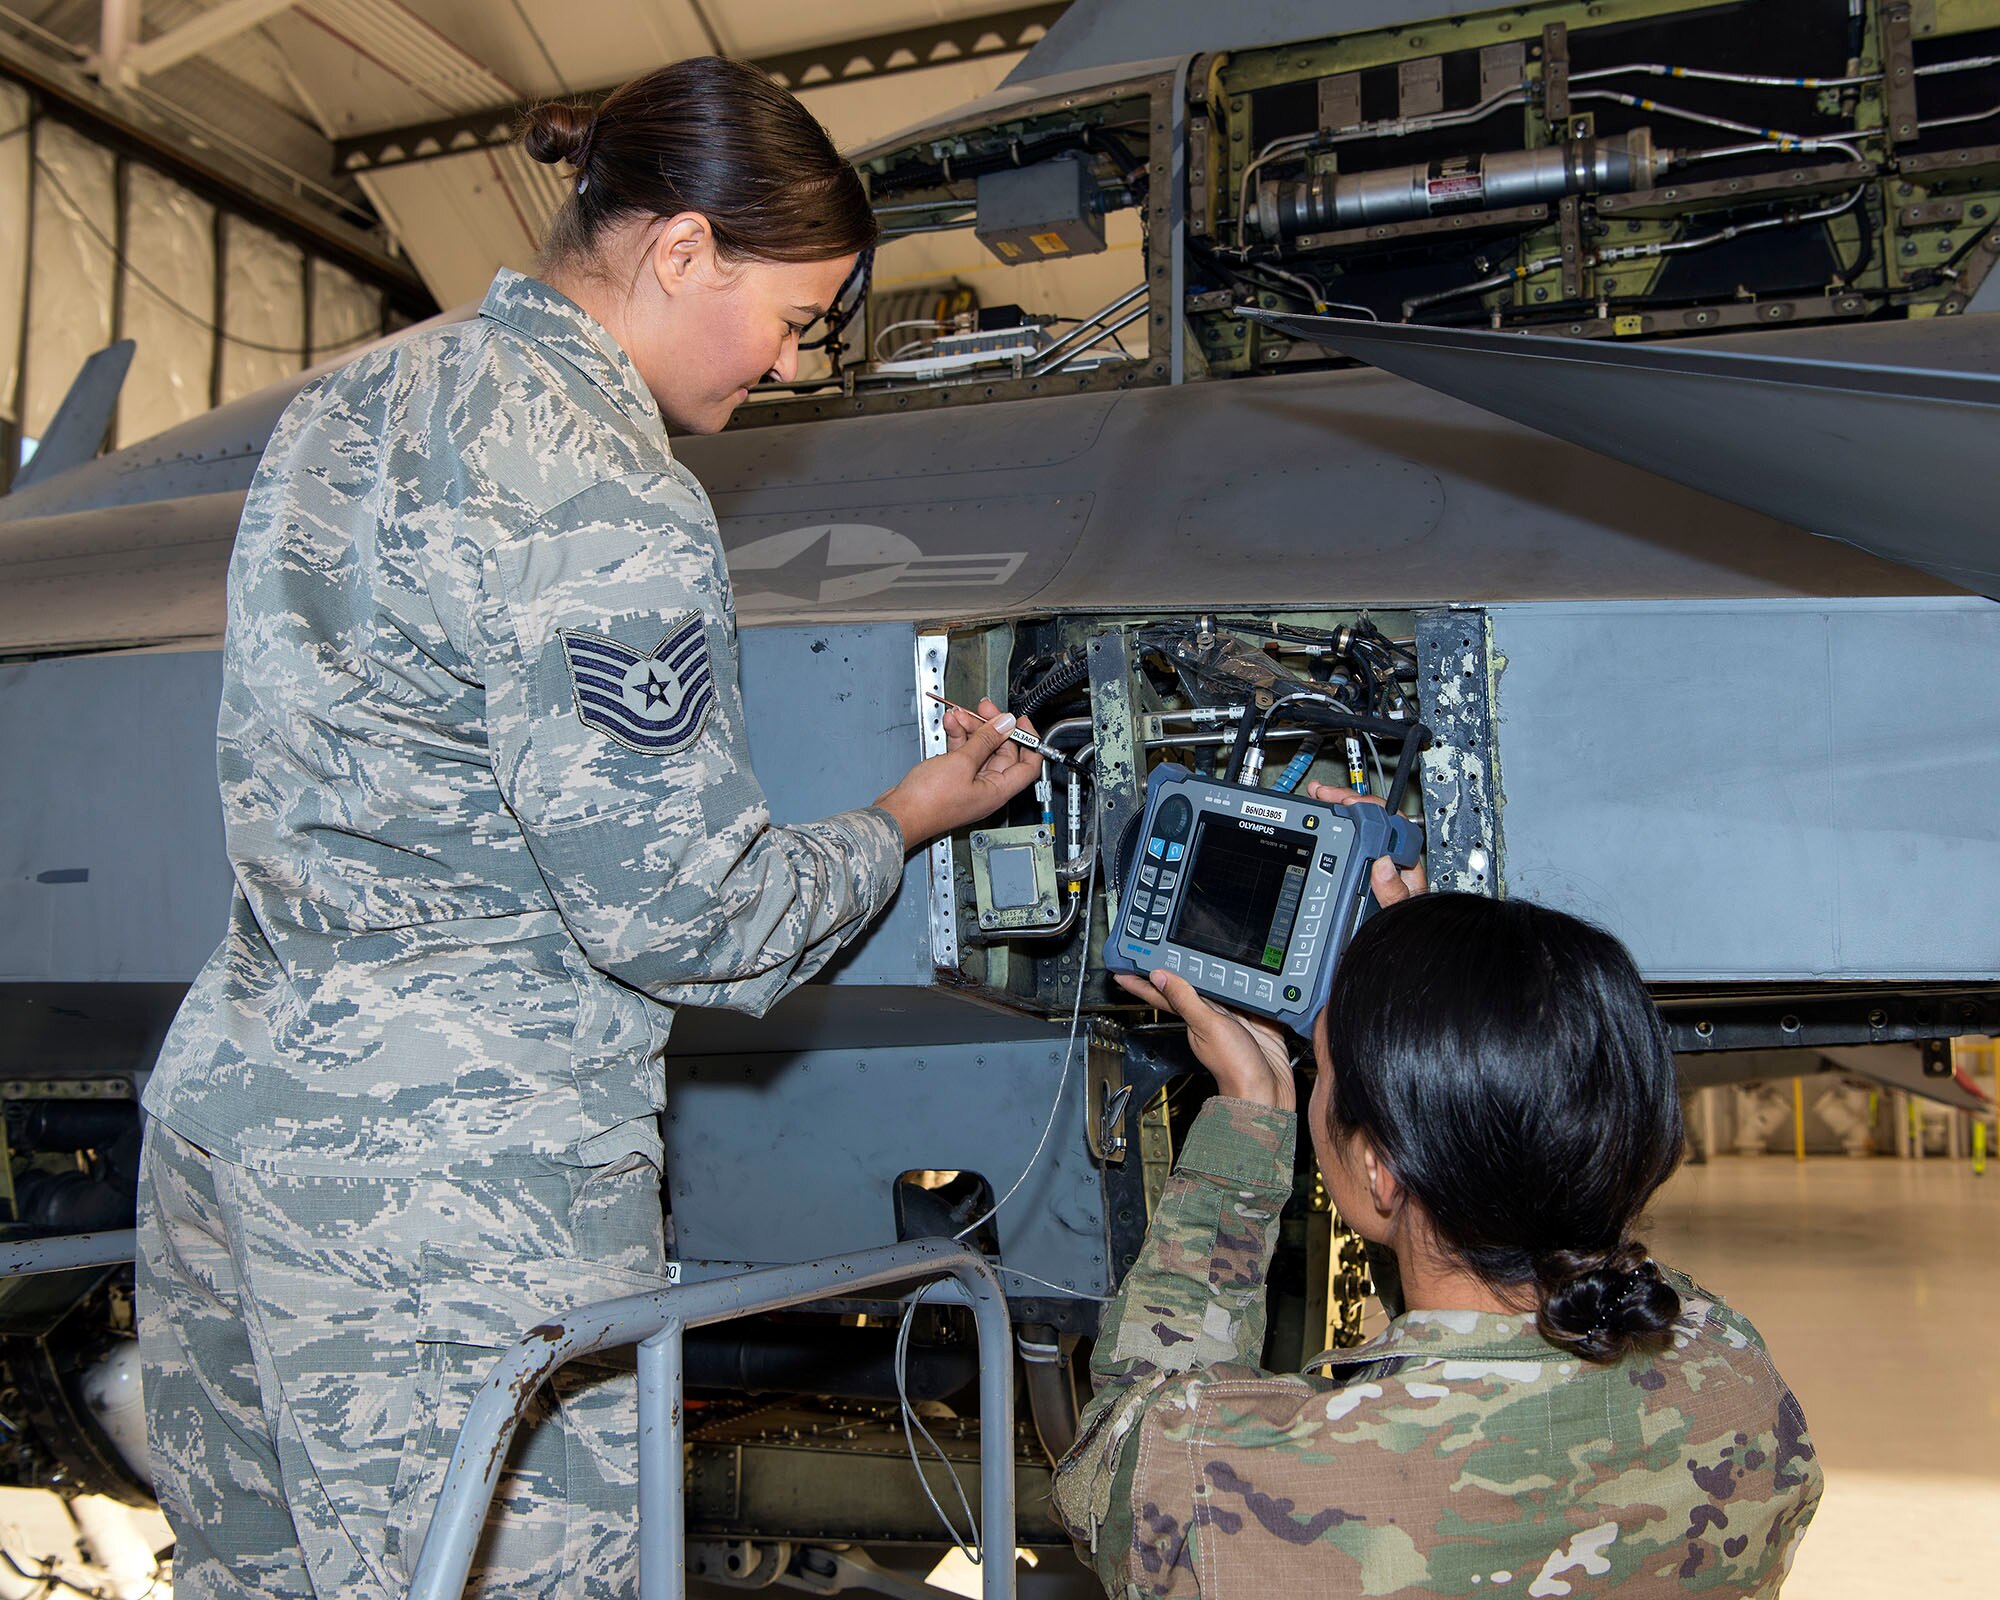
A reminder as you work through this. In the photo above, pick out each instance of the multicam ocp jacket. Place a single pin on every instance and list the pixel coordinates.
(1458, 1453)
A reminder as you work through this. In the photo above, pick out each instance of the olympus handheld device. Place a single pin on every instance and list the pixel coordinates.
(1249, 894)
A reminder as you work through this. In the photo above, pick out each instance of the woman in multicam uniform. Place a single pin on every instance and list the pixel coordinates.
(492, 818)
(1553, 1415)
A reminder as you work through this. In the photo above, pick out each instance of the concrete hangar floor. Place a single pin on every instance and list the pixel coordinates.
(1877, 1284)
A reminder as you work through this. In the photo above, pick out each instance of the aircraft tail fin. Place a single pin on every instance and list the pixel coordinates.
(83, 421)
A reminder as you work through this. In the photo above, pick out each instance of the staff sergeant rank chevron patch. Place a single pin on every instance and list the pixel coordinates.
(655, 704)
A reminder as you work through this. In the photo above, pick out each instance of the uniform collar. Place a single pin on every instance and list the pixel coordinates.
(1451, 1336)
(566, 330)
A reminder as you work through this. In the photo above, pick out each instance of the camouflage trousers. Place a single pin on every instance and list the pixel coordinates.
(311, 1344)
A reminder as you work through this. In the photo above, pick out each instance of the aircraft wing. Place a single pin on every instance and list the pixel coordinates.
(1894, 1066)
(1890, 459)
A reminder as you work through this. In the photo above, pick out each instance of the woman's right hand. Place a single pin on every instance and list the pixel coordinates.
(1247, 1056)
(979, 772)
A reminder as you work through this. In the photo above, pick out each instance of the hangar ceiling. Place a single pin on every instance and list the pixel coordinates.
(297, 95)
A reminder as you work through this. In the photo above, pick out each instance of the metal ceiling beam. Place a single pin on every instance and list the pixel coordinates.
(123, 59)
(122, 123)
(844, 61)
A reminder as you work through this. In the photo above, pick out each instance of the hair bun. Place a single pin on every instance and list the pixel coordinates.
(1600, 1303)
(559, 131)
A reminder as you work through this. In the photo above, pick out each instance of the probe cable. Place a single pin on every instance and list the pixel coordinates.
(1062, 1082)
(912, 1423)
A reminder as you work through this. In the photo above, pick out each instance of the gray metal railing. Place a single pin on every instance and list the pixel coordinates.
(26, 1257)
(655, 1323)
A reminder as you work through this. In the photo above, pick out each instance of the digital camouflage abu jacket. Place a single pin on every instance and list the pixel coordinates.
(484, 781)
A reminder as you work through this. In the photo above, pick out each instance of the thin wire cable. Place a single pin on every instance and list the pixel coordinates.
(875, 344)
(1637, 252)
(125, 264)
(1060, 1288)
(541, 45)
(1062, 1082)
(180, 113)
(914, 1424)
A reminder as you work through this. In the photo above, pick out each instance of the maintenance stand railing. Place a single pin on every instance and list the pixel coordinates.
(24, 1258)
(655, 1323)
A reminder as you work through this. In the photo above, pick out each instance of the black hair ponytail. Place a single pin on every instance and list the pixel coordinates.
(709, 135)
(1509, 1066)
(1602, 1304)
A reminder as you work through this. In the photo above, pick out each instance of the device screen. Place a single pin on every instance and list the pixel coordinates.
(1244, 885)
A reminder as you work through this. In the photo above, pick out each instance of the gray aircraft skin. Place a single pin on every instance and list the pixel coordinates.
(1768, 758)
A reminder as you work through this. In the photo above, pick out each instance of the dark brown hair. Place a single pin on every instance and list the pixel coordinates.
(706, 135)
(1507, 1062)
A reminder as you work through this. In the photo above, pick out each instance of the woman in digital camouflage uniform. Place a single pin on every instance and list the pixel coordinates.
(1553, 1415)
(492, 819)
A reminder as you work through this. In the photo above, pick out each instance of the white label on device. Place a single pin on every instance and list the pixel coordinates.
(1269, 813)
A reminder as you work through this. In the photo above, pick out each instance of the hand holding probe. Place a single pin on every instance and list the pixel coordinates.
(1019, 735)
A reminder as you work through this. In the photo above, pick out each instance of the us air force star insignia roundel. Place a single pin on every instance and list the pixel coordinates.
(656, 703)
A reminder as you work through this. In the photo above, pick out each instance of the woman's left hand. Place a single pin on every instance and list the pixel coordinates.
(1248, 1056)
(1390, 882)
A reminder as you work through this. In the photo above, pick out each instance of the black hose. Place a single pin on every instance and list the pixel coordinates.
(1070, 671)
(1866, 253)
(1415, 740)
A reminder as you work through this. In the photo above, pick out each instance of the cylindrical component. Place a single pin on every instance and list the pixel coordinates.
(1051, 1394)
(1463, 183)
(70, 1124)
(110, 1392)
(116, 1546)
(70, 1202)
(850, 1363)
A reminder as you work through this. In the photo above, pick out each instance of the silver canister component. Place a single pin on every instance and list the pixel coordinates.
(1325, 201)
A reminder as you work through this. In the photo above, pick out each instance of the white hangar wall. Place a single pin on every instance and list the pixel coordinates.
(97, 245)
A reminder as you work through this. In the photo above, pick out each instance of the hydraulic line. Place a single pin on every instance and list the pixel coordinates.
(1683, 158)
(1705, 75)
(1498, 280)
(1954, 122)
(1638, 252)
(1641, 103)
(1300, 764)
